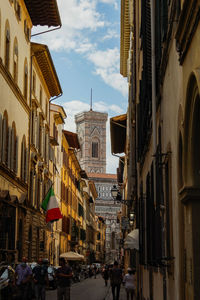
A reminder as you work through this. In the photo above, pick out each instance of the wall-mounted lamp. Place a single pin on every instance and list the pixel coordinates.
(118, 197)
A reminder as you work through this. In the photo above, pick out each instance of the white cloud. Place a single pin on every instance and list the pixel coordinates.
(79, 19)
(107, 67)
(110, 35)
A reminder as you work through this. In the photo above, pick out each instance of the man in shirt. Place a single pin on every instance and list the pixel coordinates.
(23, 276)
(63, 275)
(40, 277)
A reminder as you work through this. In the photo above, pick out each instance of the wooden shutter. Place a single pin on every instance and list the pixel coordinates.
(9, 147)
(47, 148)
(1, 137)
(16, 151)
(42, 141)
(13, 153)
(26, 165)
(22, 160)
(38, 133)
(4, 141)
(35, 131)
(36, 191)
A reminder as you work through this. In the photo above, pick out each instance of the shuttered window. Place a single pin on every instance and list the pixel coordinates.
(7, 49)
(144, 109)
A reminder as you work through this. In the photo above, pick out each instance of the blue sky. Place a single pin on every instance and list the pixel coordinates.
(86, 55)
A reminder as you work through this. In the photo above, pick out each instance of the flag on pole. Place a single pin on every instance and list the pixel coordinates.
(50, 205)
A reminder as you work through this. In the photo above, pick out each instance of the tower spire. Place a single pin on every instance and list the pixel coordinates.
(91, 100)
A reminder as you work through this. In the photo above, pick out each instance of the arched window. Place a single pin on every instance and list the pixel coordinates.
(5, 139)
(95, 149)
(24, 160)
(41, 96)
(7, 47)
(25, 81)
(14, 149)
(15, 61)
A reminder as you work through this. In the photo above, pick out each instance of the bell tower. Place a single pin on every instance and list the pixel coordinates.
(91, 130)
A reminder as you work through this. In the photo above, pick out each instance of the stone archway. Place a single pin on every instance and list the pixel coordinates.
(190, 192)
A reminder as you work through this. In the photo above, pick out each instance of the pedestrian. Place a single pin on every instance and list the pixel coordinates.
(40, 278)
(106, 275)
(63, 275)
(23, 275)
(115, 280)
(129, 280)
(95, 271)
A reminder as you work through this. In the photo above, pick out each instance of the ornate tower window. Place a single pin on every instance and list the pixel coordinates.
(95, 149)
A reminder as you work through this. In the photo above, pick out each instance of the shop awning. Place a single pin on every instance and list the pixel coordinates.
(132, 240)
(118, 133)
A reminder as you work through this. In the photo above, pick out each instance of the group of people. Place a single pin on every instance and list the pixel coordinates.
(117, 278)
(25, 276)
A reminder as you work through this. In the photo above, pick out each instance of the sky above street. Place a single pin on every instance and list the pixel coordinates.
(86, 54)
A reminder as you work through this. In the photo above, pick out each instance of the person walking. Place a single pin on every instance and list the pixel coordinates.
(130, 286)
(23, 275)
(63, 275)
(40, 278)
(95, 271)
(106, 275)
(115, 280)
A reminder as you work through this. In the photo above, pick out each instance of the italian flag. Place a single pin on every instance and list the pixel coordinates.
(50, 205)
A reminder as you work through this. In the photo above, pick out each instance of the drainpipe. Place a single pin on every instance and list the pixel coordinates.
(154, 131)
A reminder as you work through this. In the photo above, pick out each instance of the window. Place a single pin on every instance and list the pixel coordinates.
(34, 83)
(14, 150)
(46, 108)
(15, 60)
(5, 139)
(40, 95)
(26, 81)
(7, 49)
(24, 160)
(95, 149)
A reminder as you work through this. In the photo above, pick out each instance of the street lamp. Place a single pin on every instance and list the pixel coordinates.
(118, 197)
(114, 192)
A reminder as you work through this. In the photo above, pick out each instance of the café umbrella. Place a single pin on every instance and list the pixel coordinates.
(72, 256)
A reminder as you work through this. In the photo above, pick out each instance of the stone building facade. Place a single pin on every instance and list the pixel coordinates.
(91, 130)
(163, 137)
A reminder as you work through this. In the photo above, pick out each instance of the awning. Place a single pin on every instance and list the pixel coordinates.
(72, 256)
(132, 240)
(118, 133)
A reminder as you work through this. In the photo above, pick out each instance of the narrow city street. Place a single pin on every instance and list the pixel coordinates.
(89, 289)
